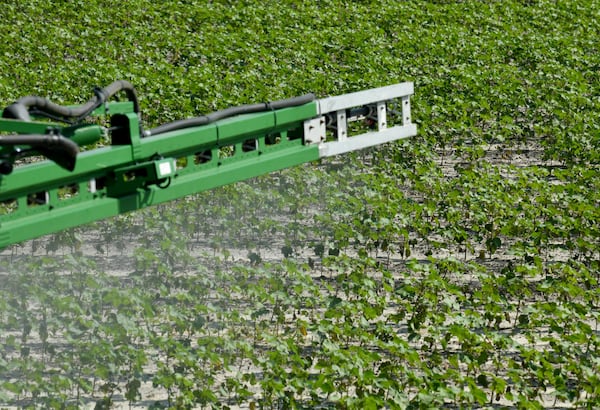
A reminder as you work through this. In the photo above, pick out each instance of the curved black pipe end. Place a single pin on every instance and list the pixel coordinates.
(57, 148)
(16, 111)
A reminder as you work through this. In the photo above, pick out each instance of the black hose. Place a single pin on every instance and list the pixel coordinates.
(230, 112)
(55, 147)
(21, 108)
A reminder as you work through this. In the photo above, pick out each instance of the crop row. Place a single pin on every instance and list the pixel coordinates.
(483, 297)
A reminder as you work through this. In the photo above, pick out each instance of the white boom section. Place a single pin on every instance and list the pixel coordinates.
(376, 107)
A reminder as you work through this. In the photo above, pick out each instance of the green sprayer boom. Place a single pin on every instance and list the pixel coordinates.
(48, 184)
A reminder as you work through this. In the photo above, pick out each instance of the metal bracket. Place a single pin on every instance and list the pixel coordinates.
(128, 179)
(127, 132)
(314, 130)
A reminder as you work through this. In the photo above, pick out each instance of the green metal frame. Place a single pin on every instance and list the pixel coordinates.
(134, 172)
(114, 179)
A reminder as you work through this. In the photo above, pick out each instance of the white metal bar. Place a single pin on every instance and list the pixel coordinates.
(381, 116)
(369, 139)
(342, 125)
(340, 102)
(406, 110)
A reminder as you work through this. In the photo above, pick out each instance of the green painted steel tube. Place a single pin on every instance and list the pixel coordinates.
(79, 213)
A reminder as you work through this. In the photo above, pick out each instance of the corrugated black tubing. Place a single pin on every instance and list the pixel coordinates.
(59, 149)
(230, 112)
(22, 108)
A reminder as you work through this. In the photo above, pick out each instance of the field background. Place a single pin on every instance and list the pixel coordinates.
(458, 269)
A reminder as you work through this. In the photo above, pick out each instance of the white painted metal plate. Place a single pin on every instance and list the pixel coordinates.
(314, 130)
